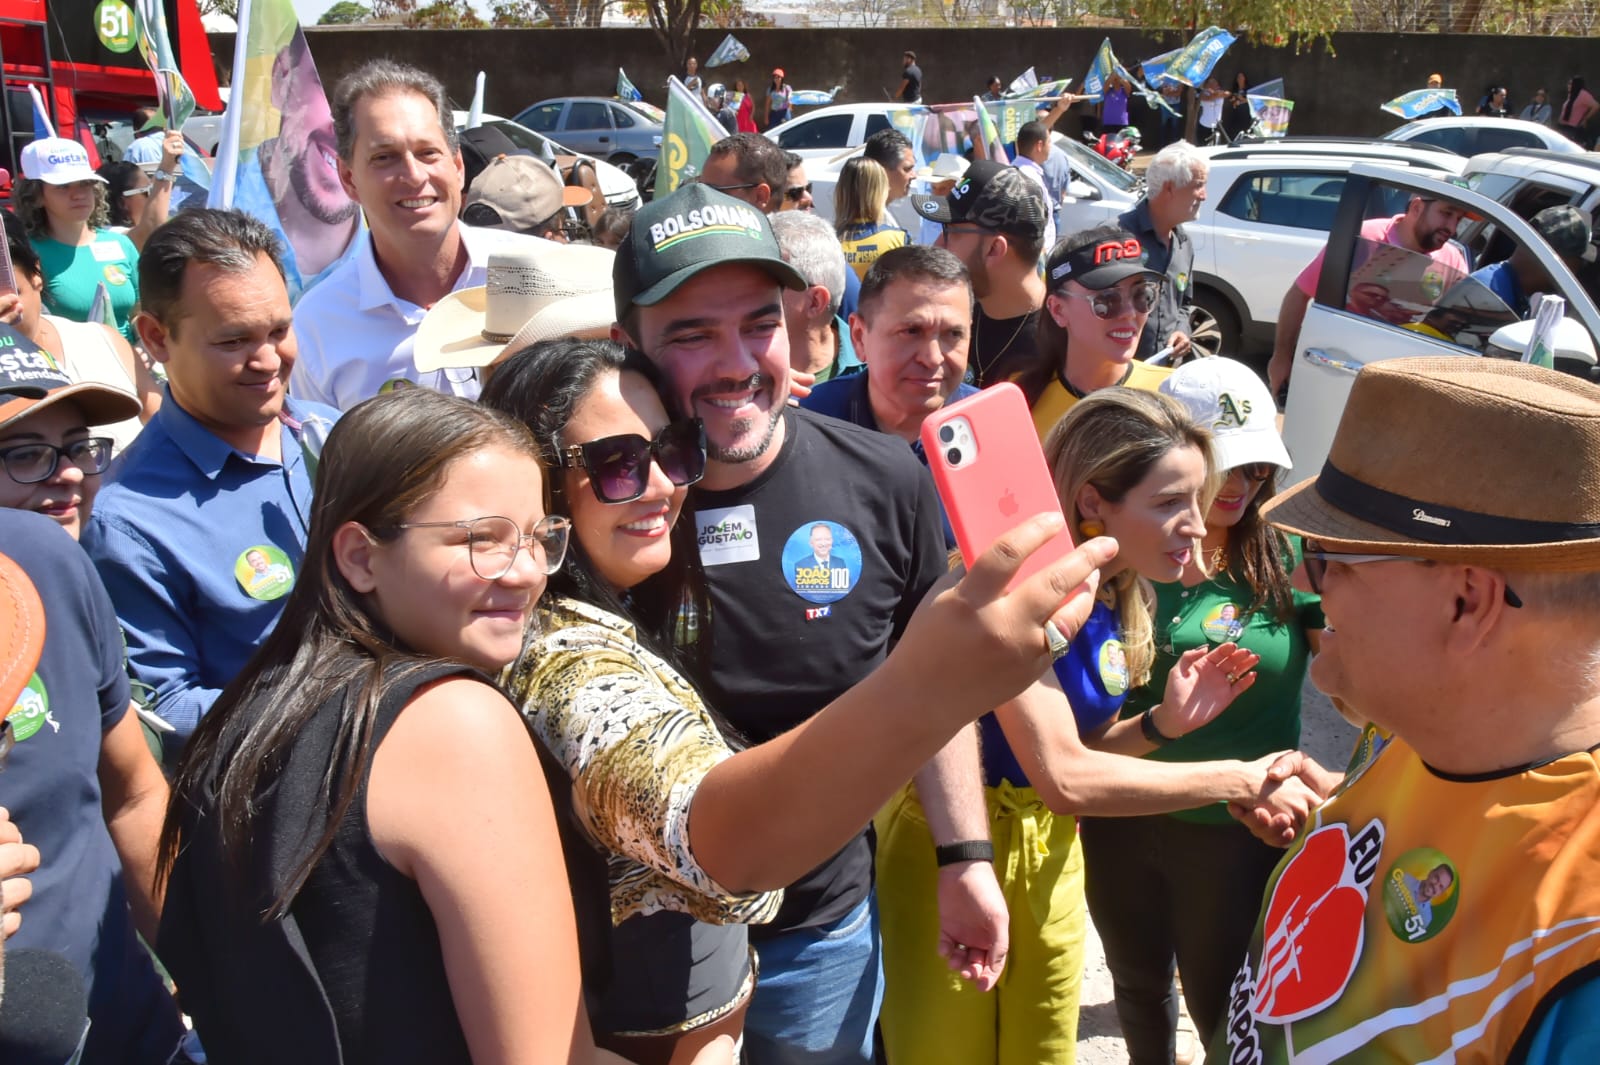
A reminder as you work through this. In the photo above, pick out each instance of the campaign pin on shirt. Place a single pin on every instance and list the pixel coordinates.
(32, 711)
(1420, 893)
(1224, 622)
(822, 562)
(1112, 663)
(727, 534)
(264, 572)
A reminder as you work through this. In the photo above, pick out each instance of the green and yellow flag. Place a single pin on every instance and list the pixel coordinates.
(686, 138)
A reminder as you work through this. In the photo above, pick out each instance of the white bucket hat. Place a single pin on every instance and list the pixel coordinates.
(57, 161)
(540, 290)
(1230, 400)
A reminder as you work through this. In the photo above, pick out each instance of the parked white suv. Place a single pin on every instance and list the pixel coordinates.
(1268, 209)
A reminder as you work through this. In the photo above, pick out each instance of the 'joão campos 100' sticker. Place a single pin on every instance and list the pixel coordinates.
(822, 561)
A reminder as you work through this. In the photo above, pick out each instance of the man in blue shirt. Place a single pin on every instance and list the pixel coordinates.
(214, 497)
(912, 332)
(1516, 279)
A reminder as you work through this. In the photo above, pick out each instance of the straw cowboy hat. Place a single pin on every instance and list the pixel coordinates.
(1459, 459)
(539, 290)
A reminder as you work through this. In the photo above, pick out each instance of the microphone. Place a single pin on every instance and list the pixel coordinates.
(44, 1014)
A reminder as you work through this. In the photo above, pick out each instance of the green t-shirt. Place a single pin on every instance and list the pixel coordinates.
(1262, 720)
(71, 274)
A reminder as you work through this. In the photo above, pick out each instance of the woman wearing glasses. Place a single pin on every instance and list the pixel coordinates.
(1132, 465)
(655, 776)
(1186, 887)
(1099, 296)
(362, 856)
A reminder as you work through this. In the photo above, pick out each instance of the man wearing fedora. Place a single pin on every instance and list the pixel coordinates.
(1454, 535)
(698, 286)
(399, 159)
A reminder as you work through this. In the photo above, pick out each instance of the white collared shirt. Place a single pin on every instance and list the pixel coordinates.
(1035, 172)
(355, 335)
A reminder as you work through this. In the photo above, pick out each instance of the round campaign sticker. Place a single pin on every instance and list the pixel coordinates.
(115, 274)
(1420, 892)
(396, 384)
(821, 561)
(32, 710)
(113, 24)
(1112, 661)
(264, 573)
(1223, 623)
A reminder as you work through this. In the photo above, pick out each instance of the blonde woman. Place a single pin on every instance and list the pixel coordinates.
(860, 214)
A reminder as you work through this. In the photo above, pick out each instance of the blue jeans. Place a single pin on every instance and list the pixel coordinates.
(818, 995)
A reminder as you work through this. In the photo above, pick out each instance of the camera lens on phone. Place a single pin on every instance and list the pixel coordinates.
(953, 456)
(946, 434)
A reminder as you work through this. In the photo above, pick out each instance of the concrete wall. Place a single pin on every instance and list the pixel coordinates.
(1333, 94)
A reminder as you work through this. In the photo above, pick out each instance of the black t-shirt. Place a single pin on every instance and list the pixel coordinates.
(913, 76)
(814, 569)
(1001, 347)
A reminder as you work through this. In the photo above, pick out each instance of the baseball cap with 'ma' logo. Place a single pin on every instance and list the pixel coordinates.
(694, 229)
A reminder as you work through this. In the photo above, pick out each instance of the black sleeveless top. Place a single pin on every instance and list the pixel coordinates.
(359, 949)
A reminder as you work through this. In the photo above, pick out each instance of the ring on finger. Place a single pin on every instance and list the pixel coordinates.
(1233, 678)
(1057, 642)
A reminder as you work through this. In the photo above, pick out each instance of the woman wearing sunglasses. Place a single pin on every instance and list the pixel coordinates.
(1132, 465)
(1099, 296)
(363, 855)
(700, 839)
(1186, 887)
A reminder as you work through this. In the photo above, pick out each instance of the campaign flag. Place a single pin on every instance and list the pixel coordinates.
(475, 109)
(1196, 60)
(990, 133)
(1272, 113)
(1022, 83)
(1009, 117)
(1272, 88)
(625, 89)
(813, 97)
(687, 135)
(729, 51)
(1420, 102)
(1155, 69)
(915, 124)
(41, 117)
(100, 309)
(1046, 90)
(1105, 64)
(1541, 343)
(275, 158)
(177, 101)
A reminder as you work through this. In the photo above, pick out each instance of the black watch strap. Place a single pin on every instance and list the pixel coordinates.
(971, 850)
(1147, 726)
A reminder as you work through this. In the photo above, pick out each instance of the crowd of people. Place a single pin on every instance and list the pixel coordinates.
(521, 650)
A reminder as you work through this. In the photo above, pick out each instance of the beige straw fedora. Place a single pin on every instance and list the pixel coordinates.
(539, 290)
(1459, 459)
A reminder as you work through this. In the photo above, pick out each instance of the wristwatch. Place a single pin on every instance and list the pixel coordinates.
(970, 850)
(163, 175)
(1147, 726)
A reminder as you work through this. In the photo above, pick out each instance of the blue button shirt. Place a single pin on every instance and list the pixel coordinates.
(846, 398)
(198, 543)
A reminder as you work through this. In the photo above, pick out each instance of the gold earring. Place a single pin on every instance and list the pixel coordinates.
(1092, 528)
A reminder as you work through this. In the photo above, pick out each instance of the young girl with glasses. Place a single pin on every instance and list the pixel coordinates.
(1099, 296)
(700, 835)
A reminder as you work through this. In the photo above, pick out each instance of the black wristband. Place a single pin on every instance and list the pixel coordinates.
(1147, 726)
(971, 850)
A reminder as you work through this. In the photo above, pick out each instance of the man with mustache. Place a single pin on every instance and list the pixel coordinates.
(1427, 228)
(698, 285)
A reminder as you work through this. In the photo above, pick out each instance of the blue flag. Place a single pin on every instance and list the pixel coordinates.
(813, 97)
(1420, 102)
(625, 89)
(1105, 64)
(1155, 69)
(1196, 60)
(729, 51)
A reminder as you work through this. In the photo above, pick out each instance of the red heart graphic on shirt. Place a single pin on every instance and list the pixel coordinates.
(1312, 932)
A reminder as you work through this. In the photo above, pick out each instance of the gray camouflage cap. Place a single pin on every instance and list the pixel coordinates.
(991, 195)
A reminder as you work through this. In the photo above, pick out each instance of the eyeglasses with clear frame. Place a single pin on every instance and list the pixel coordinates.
(1316, 562)
(493, 542)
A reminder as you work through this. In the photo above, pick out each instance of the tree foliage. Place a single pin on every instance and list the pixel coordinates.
(345, 13)
(1296, 23)
(446, 15)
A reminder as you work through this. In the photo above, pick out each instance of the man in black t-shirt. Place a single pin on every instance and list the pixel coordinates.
(994, 222)
(697, 285)
(910, 90)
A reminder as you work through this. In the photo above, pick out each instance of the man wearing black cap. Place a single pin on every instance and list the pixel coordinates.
(698, 283)
(1443, 904)
(994, 222)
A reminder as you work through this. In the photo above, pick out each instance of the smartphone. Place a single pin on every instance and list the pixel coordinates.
(987, 464)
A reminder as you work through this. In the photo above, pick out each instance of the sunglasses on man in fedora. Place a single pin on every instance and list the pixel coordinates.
(619, 466)
(1316, 566)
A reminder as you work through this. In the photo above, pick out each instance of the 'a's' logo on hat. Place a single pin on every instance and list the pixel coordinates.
(1231, 411)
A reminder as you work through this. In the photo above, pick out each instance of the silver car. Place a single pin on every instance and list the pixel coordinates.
(618, 131)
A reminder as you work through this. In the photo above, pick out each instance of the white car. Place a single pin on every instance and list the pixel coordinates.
(828, 131)
(1380, 301)
(618, 188)
(1268, 209)
(1468, 135)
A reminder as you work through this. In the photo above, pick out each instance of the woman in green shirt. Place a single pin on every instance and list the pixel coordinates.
(1185, 888)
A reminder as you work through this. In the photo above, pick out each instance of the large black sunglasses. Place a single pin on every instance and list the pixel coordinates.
(619, 466)
(1107, 303)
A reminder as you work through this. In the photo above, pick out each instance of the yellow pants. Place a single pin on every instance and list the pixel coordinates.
(930, 1015)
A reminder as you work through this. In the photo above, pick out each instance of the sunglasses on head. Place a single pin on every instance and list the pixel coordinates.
(794, 192)
(619, 466)
(1108, 303)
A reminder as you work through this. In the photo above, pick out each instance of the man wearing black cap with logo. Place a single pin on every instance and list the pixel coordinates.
(1443, 903)
(994, 222)
(698, 283)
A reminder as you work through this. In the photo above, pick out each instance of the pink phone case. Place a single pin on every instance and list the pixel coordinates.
(1002, 479)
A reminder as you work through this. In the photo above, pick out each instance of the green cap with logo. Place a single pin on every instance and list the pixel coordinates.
(694, 229)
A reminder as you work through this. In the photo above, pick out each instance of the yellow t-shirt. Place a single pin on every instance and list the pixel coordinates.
(1055, 400)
